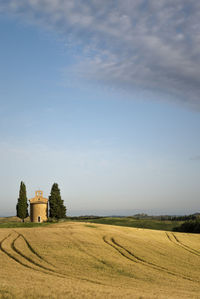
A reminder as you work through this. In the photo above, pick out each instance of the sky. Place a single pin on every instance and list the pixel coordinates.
(101, 97)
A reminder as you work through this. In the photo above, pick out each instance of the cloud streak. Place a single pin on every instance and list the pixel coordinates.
(137, 45)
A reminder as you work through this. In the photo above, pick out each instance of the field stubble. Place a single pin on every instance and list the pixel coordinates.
(78, 260)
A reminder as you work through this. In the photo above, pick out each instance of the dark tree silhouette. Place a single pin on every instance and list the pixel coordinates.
(22, 205)
(56, 204)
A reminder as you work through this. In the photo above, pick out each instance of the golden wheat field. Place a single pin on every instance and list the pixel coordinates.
(80, 260)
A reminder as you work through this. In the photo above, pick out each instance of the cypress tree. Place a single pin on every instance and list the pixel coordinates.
(22, 205)
(56, 204)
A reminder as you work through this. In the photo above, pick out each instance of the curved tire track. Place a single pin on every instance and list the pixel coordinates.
(34, 251)
(174, 239)
(23, 260)
(88, 252)
(30, 260)
(12, 256)
(29, 263)
(134, 258)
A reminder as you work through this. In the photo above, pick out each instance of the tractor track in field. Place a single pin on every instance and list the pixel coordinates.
(15, 254)
(24, 260)
(88, 252)
(174, 239)
(13, 246)
(136, 259)
(33, 250)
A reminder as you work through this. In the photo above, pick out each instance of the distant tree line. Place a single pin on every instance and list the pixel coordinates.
(166, 217)
(86, 217)
(183, 218)
(189, 226)
(57, 209)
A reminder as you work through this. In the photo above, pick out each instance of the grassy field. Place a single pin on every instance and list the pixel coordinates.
(13, 222)
(134, 222)
(85, 260)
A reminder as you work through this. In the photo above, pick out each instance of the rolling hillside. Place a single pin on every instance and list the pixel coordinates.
(83, 260)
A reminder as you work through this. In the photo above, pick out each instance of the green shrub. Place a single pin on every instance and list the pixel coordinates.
(189, 226)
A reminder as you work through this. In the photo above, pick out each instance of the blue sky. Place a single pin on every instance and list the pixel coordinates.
(102, 98)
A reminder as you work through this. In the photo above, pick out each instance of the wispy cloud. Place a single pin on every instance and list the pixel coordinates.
(142, 45)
